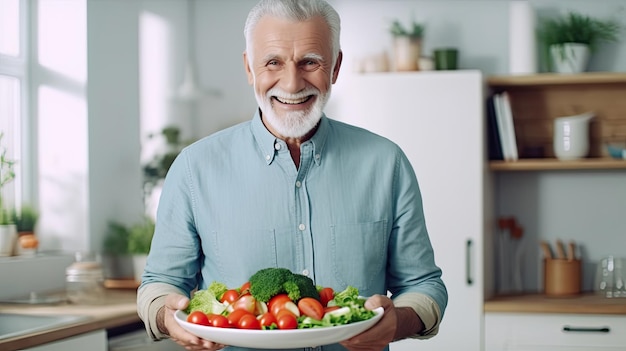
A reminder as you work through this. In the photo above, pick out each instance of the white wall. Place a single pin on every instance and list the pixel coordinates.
(117, 95)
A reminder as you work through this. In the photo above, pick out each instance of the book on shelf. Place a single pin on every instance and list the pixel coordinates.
(494, 146)
(506, 129)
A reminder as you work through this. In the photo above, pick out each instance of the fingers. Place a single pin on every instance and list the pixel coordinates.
(176, 302)
(376, 301)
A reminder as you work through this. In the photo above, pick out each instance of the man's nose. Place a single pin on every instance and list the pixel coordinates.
(292, 79)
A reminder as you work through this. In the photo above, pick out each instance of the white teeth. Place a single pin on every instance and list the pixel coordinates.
(292, 101)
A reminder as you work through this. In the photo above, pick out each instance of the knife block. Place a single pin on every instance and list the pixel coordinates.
(562, 277)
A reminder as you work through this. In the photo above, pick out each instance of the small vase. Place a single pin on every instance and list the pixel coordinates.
(570, 57)
(8, 237)
(406, 53)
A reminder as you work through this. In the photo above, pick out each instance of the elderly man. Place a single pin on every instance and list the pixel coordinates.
(293, 188)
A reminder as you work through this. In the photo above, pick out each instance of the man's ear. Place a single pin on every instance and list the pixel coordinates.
(337, 67)
(247, 68)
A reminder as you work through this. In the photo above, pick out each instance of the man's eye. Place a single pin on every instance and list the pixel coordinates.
(310, 65)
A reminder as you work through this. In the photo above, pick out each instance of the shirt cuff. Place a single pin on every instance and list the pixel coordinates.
(150, 298)
(426, 308)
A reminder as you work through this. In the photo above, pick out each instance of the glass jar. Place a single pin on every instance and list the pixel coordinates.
(84, 281)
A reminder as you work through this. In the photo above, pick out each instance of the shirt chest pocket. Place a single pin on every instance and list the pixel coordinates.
(359, 253)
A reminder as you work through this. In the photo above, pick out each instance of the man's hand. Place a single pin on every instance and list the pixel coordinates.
(397, 323)
(168, 325)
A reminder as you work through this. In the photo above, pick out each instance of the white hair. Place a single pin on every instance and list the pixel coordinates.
(295, 10)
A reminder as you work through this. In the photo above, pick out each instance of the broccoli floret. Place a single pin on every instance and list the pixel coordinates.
(269, 282)
(218, 289)
(306, 286)
(205, 301)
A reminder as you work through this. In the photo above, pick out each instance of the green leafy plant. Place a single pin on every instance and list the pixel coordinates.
(26, 219)
(140, 237)
(578, 28)
(414, 31)
(7, 174)
(161, 163)
(116, 239)
(135, 239)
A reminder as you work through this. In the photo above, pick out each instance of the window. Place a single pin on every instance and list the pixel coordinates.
(13, 87)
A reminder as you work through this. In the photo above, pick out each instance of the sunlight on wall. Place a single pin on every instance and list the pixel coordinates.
(155, 42)
(62, 37)
(63, 165)
(61, 109)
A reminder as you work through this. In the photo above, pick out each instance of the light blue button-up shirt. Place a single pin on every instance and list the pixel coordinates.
(351, 214)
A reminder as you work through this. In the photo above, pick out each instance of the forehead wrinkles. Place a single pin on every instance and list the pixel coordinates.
(282, 39)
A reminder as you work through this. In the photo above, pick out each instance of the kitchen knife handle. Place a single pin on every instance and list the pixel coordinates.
(567, 328)
(560, 250)
(468, 260)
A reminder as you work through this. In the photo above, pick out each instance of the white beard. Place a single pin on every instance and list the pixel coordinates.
(296, 123)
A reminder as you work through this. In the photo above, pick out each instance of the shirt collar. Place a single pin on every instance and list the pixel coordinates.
(267, 141)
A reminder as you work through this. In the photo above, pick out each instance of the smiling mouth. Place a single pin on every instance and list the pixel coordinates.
(288, 101)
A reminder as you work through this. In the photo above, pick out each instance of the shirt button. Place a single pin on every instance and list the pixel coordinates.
(277, 146)
(301, 226)
(267, 157)
(298, 184)
(305, 272)
(317, 156)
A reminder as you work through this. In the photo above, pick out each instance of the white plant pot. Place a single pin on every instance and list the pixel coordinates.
(406, 53)
(8, 238)
(139, 264)
(570, 57)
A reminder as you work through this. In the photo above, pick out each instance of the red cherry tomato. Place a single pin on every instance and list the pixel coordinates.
(279, 299)
(280, 302)
(219, 321)
(326, 294)
(248, 321)
(286, 320)
(245, 288)
(267, 319)
(235, 316)
(311, 307)
(198, 317)
(230, 296)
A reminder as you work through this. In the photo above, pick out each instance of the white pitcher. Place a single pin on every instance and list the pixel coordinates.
(571, 136)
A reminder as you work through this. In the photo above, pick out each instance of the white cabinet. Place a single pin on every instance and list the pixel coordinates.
(560, 332)
(437, 119)
(94, 341)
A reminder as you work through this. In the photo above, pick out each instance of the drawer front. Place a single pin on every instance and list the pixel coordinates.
(512, 331)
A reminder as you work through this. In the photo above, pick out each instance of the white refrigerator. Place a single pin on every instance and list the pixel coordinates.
(437, 118)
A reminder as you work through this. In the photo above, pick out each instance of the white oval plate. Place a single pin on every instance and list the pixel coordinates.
(278, 339)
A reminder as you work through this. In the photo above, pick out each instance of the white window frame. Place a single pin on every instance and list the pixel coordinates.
(22, 147)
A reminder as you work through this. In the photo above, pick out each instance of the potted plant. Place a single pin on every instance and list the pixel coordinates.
(407, 44)
(570, 40)
(25, 222)
(133, 241)
(8, 230)
(139, 241)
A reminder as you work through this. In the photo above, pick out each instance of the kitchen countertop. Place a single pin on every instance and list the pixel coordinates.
(118, 308)
(539, 303)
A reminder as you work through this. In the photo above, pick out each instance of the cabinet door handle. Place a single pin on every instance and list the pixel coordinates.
(468, 260)
(567, 328)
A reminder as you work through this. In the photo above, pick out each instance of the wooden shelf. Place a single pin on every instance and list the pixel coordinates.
(543, 164)
(556, 79)
(539, 303)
